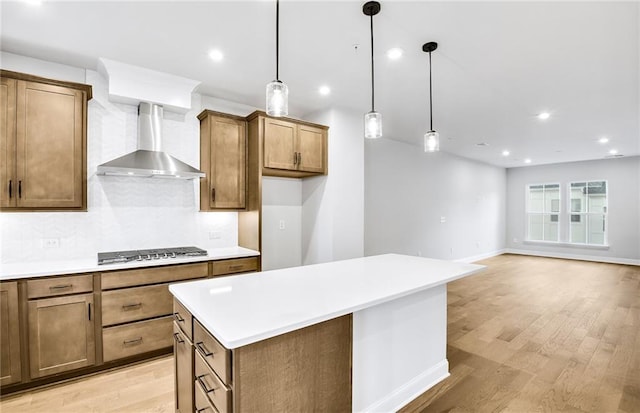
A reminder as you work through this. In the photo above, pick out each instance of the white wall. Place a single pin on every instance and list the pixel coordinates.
(281, 223)
(123, 213)
(407, 192)
(333, 205)
(623, 176)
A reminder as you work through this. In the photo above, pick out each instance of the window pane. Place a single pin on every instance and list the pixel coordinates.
(552, 198)
(578, 229)
(550, 228)
(535, 227)
(536, 198)
(596, 229)
(578, 197)
(597, 196)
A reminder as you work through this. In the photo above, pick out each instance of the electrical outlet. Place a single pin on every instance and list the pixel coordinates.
(215, 235)
(50, 242)
(281, 225)
(443, 220)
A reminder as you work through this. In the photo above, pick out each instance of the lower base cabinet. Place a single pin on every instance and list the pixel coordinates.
(10, 367)
(61, 334)
(183, 367)
(136, 338)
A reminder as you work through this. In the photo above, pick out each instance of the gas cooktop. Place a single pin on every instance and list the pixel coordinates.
(117, 257)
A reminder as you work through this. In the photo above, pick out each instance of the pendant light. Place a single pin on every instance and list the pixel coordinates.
(372, 119)
(431, 138)
(277, 92)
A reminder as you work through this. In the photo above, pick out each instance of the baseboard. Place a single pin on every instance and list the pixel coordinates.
(481, 256)
(411, 390)
(595, 258)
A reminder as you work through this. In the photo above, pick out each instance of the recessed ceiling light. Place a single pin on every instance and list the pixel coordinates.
(216, 55)
(527, 160)
(395, 53)
(482, 144)
(324, 90)
(613, 152)
(603, 140)
(505, 153)
(544, 115)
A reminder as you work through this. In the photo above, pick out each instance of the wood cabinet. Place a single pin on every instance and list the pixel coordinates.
(291, 148)
(183, 367)
(61, 334)
(10, 368)
(137, 308)
(223, 158)
(43, 143)
(304, 370)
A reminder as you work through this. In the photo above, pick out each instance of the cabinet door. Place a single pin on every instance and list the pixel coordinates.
(312, 147)
(50, 157)
(279, 144)
(8, 184)
(9, 334)
(61, 334)
(228, 163)
(183, 368)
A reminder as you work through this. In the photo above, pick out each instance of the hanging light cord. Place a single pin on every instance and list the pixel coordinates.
(277, 40)
(430, 96)
(372, 83)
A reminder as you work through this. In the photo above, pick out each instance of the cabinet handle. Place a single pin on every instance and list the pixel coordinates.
(178, 317)
(128, 307)
(89, 311)
(204, 385)
(19, 189)
(235, 267)
(299, 158)
(203, 350)
(176, 336)
(213, 195)
(9, 188)
(295, 158)
(60, 287)
(132, 342)
(203, 409)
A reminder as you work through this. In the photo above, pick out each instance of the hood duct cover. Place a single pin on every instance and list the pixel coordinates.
(149, 161)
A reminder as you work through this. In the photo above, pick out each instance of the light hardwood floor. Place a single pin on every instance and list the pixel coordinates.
(529, 334)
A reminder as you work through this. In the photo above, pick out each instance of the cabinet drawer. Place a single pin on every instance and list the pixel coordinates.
(183, 319)
(132, 304)
(207, 381)
(155, 275)
(137, 338)
(213, 353)
(202, 403)
(234, 266)
(51, 287)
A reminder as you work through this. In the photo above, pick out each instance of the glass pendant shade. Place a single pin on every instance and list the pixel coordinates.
(277, 99)
(373, 125)
(431, 141)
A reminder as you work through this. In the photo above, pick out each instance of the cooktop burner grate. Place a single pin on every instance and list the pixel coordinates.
(117, 257)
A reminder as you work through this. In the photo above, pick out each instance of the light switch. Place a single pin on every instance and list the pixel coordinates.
(281, 226)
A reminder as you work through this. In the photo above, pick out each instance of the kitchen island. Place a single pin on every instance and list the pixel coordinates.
(366, 334)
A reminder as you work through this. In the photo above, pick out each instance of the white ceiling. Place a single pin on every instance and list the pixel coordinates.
(497, 66)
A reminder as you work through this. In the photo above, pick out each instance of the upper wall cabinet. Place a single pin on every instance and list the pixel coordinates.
(223, 157)
(43, 143)
(290, 148)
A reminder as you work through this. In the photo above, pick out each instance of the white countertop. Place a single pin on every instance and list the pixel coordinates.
(248, 308)
(44, 268)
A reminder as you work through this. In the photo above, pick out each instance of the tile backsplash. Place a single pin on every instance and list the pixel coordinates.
(123, 213)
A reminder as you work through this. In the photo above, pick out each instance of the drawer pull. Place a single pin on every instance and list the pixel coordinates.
(235, 267)
(203, 409)
(203, 350)
(204, 385)
(61, 287)
(178, 317)
(178, 339)
(133, 342)
(128, 307)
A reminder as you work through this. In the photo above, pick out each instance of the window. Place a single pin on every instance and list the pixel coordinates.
(543, 209)
(588, 212)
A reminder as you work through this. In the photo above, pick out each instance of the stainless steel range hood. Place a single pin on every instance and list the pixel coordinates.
(149, 160)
